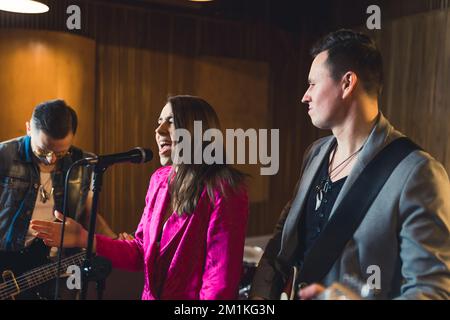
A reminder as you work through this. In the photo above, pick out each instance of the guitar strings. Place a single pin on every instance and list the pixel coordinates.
(45, 273)
(25, 284)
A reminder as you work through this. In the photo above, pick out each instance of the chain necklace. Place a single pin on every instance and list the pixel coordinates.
(44, 194)
(325, 184)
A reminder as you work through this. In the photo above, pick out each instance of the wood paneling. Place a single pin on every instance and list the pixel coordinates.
(416, 96)
(244, 104)
(132, 90)
(43, 65)
(289, 61)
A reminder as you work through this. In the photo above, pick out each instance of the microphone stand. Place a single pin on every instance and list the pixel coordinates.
(94, 269)
(98, 268)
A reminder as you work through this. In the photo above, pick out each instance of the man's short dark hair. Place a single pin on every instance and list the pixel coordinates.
(353, 51)
(55, 118)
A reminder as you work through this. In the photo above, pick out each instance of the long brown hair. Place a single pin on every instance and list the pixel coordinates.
(188, 182)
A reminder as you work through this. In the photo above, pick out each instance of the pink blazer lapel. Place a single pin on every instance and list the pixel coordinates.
(162, 199)
(174, 225)
(174, 229)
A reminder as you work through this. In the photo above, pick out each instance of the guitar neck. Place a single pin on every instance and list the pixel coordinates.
(43, 274)
(40, 275)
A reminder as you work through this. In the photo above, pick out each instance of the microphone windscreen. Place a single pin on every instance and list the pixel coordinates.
(148, 155)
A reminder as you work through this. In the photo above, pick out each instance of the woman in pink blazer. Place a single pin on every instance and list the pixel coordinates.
(190, 239)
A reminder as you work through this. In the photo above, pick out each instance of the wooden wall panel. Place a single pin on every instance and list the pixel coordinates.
(416, 96)
(132, 92)
(244, 104)
(43, 65)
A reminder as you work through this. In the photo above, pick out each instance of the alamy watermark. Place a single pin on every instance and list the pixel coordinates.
(374, 280)
(73, 281)
(73, 22)
(374, 20)
(210, 147)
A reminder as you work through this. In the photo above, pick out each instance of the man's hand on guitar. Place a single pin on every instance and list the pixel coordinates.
(50, 232)
(311, 292)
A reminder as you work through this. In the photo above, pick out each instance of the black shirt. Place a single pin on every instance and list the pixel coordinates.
(313, 221)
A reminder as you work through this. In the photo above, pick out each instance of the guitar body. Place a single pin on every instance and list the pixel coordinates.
(291, 287)
(352, 288)
(14, 264)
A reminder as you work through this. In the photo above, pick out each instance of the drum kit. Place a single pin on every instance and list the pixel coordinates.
(252, 255)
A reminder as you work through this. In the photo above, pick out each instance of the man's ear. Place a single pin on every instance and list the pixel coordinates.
(28, 127)
(349, 81)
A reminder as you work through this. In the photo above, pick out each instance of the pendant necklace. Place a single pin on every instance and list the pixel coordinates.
(44, 194)
(325, 183)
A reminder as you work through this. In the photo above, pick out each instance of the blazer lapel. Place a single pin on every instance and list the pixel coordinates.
(159, 209)
(377, 140)
(290, 231)
(174, 223)
(175, 227)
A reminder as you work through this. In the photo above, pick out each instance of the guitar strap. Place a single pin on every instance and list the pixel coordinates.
(352, 210)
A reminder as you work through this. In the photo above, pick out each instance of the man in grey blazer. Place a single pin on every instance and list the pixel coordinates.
(404, 240)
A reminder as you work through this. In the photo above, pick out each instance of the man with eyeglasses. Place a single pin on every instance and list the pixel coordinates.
(32, 175)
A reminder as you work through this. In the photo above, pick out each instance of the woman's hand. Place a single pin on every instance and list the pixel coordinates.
(74, 234)
(125, 236)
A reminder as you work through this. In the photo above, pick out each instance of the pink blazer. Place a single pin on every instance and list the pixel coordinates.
(199, 256)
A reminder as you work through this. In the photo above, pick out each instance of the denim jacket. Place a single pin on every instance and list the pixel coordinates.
(19, 185)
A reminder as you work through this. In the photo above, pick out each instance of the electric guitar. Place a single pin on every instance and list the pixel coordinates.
(352, 288)
(31, 269)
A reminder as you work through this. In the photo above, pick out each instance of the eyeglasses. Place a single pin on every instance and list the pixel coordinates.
(42, 154)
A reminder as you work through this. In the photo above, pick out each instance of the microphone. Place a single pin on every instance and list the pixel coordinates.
(136, 155)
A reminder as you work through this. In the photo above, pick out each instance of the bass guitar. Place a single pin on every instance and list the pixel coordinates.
(27, 274)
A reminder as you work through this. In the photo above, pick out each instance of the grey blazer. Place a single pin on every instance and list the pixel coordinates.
(405, 232)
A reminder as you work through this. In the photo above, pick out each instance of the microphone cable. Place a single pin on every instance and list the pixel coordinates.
(63, 226)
